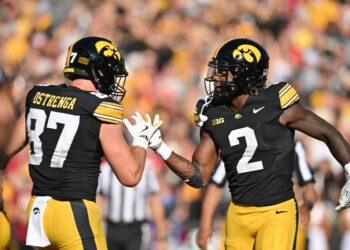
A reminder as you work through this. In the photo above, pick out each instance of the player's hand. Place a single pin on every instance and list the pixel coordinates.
(344, 198)
(304, 216)
(201, 108)
(156, 140)
(203, 237)
(142, 131)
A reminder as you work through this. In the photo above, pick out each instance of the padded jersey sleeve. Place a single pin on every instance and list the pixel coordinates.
(109, 111)
(288, 96)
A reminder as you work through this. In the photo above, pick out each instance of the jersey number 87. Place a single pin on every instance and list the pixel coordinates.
(36, 121)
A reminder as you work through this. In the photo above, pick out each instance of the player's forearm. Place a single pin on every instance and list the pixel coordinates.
(309, 195)
(140, 158)
(322, 130)
(339, 148)
(186, 170)
(180, 166)
(210, 203)
(158, 216)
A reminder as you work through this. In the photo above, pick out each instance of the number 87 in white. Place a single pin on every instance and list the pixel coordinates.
(36, 120)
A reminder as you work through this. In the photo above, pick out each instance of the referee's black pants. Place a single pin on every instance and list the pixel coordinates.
(124, 236)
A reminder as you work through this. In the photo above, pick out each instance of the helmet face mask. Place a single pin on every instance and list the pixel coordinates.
(237, 68)
(99, 60)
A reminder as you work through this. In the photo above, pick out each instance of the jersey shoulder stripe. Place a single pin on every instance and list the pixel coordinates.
(288, 96)
(109, 112)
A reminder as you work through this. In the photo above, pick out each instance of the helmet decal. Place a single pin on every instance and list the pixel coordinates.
(249, 52)
(110, 49)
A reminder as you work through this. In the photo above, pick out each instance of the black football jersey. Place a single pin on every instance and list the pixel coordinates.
(63, 126)
(258, 151)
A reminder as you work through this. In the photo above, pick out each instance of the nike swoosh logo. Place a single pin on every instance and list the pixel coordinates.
(279, 212)
(258, 110)
(144, 129)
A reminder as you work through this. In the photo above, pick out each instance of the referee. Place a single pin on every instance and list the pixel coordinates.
(126, 210)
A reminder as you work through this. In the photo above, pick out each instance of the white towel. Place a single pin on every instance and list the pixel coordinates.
(35, 234)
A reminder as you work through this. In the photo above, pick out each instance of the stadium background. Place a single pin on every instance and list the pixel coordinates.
(167, 44)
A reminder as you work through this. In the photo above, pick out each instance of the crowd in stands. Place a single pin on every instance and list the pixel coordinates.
(167, 44)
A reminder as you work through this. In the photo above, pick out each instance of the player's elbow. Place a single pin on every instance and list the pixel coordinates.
(130, 182)
(127, 178)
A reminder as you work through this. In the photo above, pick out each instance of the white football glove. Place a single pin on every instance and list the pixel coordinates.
(156, 139)
(344, 198)
(142, 131)
(201, 108)
(156, 142)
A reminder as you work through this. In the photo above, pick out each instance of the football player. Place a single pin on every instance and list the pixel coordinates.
(306, 190)
(9, 111)
(252, 127)
(69, 127)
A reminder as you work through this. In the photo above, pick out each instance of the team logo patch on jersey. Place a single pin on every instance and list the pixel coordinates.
(238, 116)
(217, 121)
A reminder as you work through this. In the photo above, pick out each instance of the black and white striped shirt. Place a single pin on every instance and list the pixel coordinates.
(126, 204)
(302, 169)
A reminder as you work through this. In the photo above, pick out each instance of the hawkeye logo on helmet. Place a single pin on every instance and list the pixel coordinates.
(249, 52)
(110, 49)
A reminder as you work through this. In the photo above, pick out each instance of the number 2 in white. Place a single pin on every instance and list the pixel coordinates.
(243, 165)
(36, 124)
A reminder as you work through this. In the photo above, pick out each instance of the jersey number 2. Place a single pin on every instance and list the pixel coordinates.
(36, 124)
(243, 165)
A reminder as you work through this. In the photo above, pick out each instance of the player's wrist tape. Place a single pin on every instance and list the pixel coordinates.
(140, 142)
(164, 151)
(196, 180)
